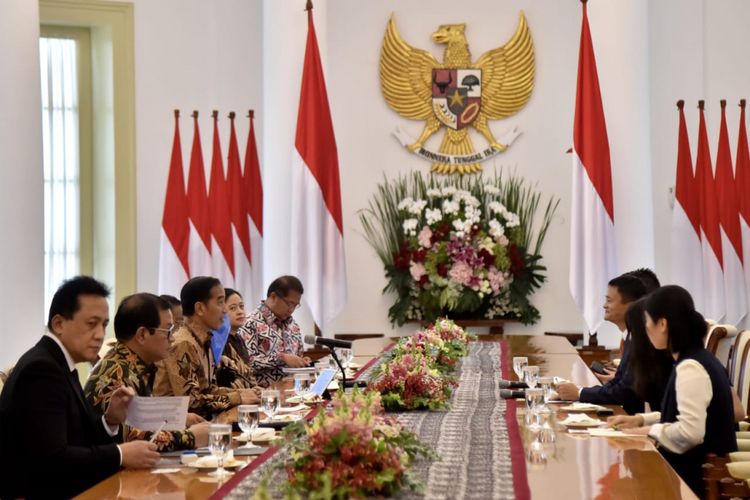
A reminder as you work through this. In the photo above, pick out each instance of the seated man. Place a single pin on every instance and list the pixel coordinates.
(189, 369)
(52, 442)
(143, 327)
(176, 306)
(272, 336)
(622, 291)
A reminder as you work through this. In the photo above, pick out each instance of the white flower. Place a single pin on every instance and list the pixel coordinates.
(489, 188)
(472, 214)
(433, 193)
(496, 207)
(450, 207)
(512, 219)
(496, 229)
(417, 207)
(461, 227)
(405, 203)
(433, 215)
(448, 190)
(410, 227)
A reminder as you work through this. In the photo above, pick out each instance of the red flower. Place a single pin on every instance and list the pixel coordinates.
(419, 255)
(442, 270)
(402, 257)
(516, 260)
(487, 257)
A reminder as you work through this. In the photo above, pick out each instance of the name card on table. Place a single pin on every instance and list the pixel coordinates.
(167, 413)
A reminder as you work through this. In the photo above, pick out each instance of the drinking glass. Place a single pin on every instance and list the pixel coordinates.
(247, 418)
(534, 399)
(546, 384)
(301, 383)
(219, 441)
(531, 375)
(269, 402)
(518, 363)
(346, 357)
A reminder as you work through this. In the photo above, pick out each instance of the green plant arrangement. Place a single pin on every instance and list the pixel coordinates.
(460, 247)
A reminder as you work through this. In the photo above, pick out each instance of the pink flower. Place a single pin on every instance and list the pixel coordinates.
(425, 237)
(496, 278)
(417, 270)
(460, 273)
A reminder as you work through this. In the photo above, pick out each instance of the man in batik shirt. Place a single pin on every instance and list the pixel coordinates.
(272, 336)
(189, 369)
(143, 328)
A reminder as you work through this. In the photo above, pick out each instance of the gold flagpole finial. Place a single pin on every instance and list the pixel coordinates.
(680, 104)
(195, 114)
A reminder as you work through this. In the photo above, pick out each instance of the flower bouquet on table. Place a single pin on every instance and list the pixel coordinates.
(352, 450)
(455, 341)
(411, 380)
(459, 247)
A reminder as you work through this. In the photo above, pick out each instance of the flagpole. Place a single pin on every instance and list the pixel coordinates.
(309, 5)
(251, 114)
(232, 115)
(194, 114)
(742, 103)
(701, 104)
(681, 104)
(176, 113)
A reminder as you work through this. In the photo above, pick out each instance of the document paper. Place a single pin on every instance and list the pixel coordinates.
(149, 413)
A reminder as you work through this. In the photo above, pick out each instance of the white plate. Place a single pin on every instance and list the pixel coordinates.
(228, 464)
(282, 418)
(584, 424)
(577, 406)
(292, 409)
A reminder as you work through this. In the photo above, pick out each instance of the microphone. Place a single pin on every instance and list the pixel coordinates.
(512, 384)
(509, 394)
(329, 343)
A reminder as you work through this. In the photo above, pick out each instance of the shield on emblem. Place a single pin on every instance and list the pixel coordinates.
(456, 96)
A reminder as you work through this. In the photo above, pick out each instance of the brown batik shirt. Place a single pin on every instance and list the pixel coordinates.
(189, 371)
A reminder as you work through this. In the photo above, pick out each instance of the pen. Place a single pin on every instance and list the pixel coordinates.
(153, 437)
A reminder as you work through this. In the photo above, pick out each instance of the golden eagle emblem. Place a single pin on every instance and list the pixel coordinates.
(457, 94)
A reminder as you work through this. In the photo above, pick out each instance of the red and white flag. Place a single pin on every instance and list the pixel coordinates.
(218, 207)
(253, 190)
(174, 269)
(712, 255)
(200, 223)
(592, 223)
(731, 235)
(686, 229)
(742, 184)
(238, 216)
(317, 240)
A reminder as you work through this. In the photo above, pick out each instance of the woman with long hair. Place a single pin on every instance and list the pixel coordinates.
(650, 367)
(697, 413)
(234, 369)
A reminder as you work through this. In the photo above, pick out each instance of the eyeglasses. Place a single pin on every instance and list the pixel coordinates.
(169, 332)
(291, 305)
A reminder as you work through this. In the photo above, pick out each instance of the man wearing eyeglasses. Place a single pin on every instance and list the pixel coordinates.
(273, 338)
(143, 328)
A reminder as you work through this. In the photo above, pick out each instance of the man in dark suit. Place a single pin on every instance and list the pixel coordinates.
(622, 291)
(52, 443)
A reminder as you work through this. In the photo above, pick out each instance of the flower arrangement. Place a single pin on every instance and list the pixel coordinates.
(416, 373)
(459, 247)
(411, 380)
(352, 450)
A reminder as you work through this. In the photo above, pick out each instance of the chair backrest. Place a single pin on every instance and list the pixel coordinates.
(743, 377)
(735, 357)
(716, 333)
(724, 345)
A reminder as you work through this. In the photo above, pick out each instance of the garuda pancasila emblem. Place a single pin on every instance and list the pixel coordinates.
(457, 94)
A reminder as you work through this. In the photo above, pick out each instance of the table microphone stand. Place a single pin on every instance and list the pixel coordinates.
(338, 362)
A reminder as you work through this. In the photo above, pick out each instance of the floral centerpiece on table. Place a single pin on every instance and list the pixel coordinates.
(417, 373)
(411, 380)
(352, 450)
(459, 247)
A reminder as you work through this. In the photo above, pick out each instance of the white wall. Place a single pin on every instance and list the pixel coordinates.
(21, 181)
(189, 54)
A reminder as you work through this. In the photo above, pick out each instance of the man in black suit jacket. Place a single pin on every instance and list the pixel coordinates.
(52, 443)
(622, 292)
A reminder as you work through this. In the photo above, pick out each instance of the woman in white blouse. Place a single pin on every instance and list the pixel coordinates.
(697, 412)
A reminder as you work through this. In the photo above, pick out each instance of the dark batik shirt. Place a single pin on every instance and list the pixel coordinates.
(119, 367)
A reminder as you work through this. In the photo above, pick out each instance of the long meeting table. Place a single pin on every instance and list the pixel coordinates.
(577, 466)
